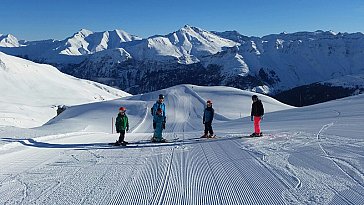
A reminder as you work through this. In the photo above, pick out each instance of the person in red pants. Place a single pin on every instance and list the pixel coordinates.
(257, 113)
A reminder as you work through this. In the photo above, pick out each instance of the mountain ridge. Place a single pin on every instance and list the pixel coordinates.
(270, 64)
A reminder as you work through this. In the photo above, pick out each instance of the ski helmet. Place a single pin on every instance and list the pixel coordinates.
(122, 109)
(209, 102)
(254, 97)
(161, 96)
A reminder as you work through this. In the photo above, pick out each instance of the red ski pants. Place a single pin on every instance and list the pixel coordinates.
(257, 124)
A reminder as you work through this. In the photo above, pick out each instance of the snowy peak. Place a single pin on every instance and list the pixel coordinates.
(9, 41)
(199, 42)
(87, 42)
(184, 46)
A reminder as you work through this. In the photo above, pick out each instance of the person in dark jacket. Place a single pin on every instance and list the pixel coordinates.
(122, 126)
(208, 116)
(256, 115)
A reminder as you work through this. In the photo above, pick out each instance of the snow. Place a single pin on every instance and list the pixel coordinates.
(309, 155)
(289, 59)
(31, 92)
(9, 41)
(87, 42)
(72, 50)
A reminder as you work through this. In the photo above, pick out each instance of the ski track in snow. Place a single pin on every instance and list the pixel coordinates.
(227, 171)
(284, 167)
(337, 161)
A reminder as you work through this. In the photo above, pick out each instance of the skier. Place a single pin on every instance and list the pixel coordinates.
(122, 126)
(159, 104)
(158, 125)
(208, 116)
(161, 116)
(257, 113)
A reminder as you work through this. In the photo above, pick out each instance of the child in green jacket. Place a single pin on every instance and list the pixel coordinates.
(122, 126)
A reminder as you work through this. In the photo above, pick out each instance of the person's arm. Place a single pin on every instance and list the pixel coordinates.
(117, 123)
(213, 114)
(154, 121)
(251, 112)
(154, 109)
(164, 112)
(203, 118)
(127, 123)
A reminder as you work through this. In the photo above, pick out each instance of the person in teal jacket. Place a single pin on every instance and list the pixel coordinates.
(158, 125)
(159, 104)
(122, 126)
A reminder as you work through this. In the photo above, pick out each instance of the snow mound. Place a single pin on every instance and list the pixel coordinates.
(184, 103)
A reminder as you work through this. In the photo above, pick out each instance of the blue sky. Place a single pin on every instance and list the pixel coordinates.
(58, 19)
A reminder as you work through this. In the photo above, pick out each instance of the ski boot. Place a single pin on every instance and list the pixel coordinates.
(158, 140)
(204, 136)
(117, 143)
(253, 135)
(211, 136)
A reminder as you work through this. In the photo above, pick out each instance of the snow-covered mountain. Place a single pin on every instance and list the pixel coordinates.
(87, 42)
(9, 41)
(73, 49)
(270, 64)
(31, 92)
(302, 58)
(185, 46)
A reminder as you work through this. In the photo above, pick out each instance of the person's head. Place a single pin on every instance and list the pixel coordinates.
(122, 110)
(255, 98)
(161, 98)
(209, 103)
(159, 111)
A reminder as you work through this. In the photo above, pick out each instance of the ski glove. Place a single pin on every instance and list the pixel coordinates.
(251, 118)
(154, 125)
(164, 125)
(127, 129)
(261, 117)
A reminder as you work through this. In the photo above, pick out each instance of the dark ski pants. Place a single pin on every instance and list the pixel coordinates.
(208, 128)
(122, 136)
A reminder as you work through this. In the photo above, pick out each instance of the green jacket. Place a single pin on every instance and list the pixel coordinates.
(122, 123)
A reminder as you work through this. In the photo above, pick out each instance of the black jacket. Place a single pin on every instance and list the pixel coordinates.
(257, 109)
(208, 114)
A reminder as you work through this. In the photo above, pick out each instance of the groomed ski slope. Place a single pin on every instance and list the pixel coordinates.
(311, 155)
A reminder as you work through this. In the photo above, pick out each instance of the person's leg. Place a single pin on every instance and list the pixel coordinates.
(206, 129)
(158, 132)
(210, 129)
(122, 136)
(257, 125)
